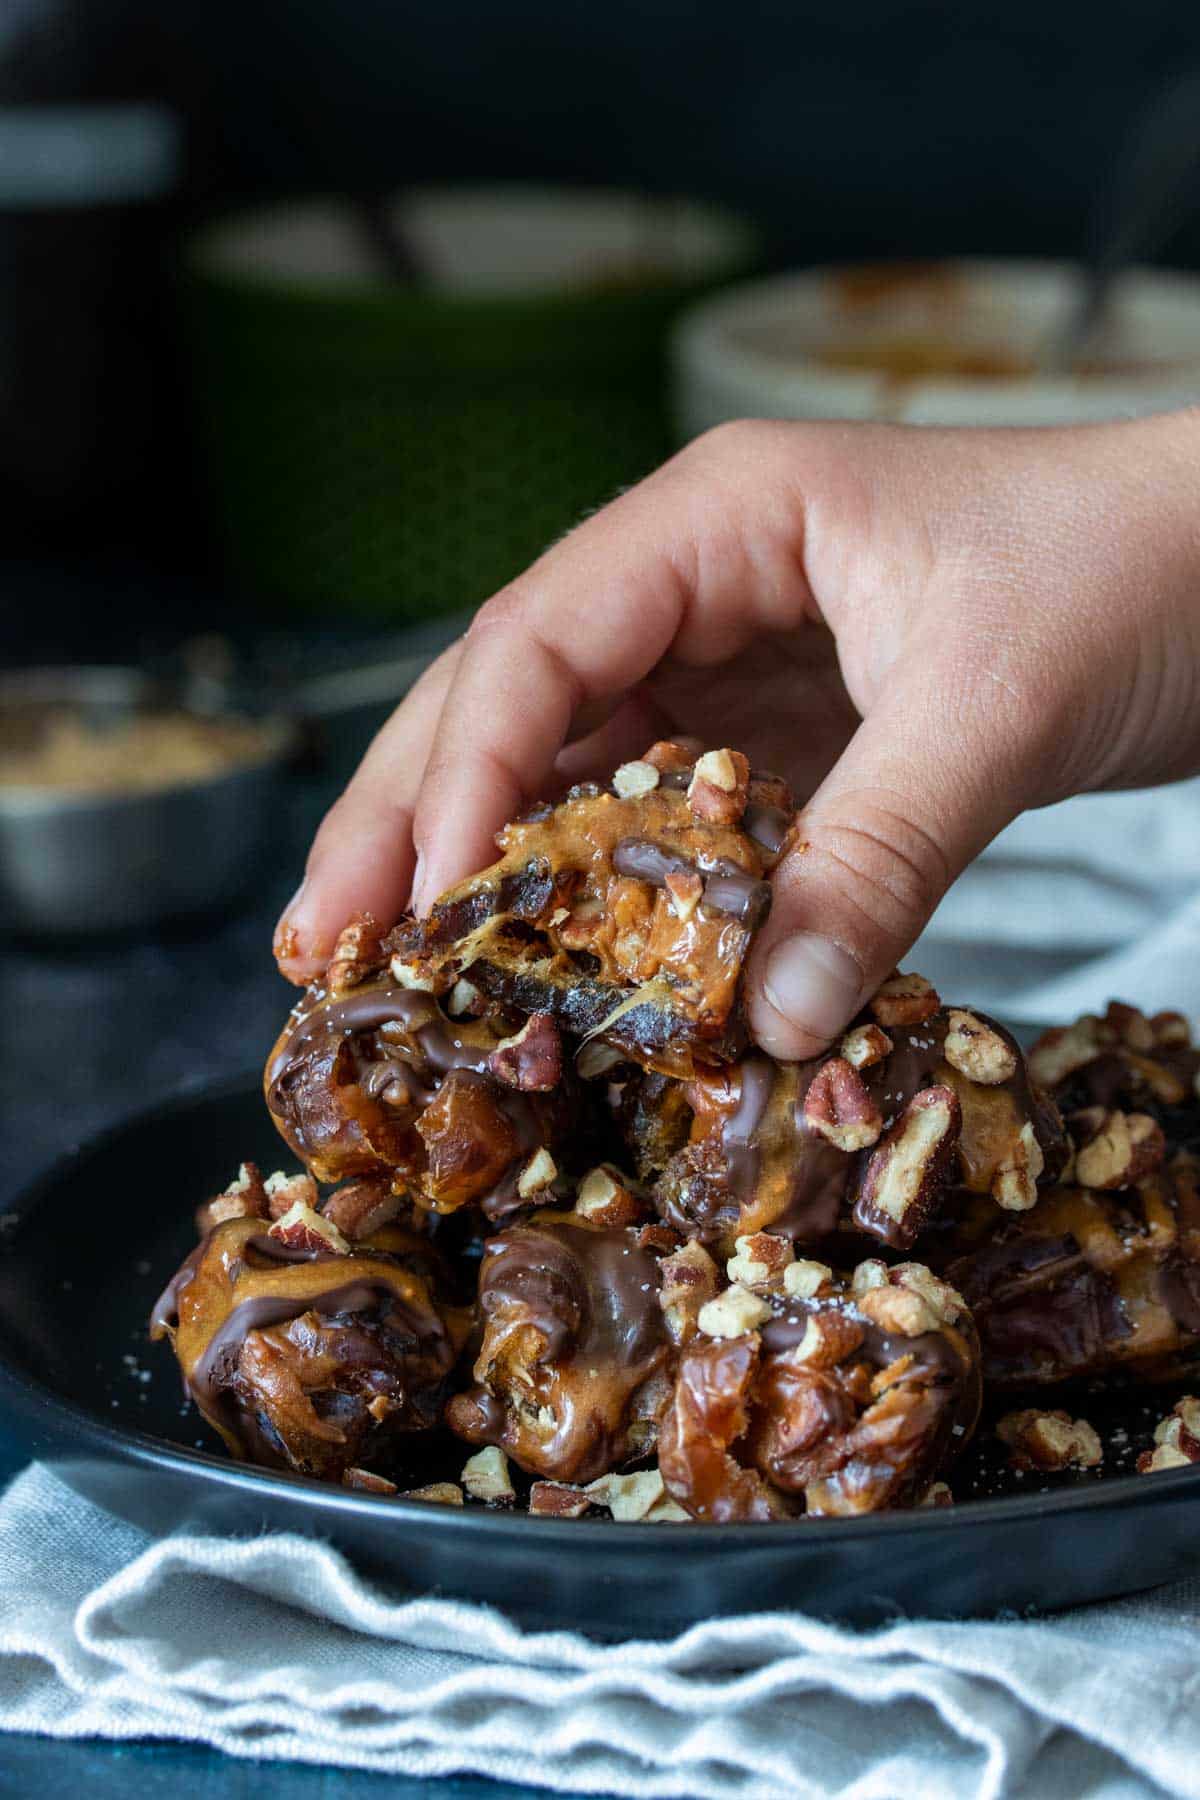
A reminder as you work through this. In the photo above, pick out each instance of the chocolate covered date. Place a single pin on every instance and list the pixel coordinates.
(307, 1352)
(569, 1375)
(820, 1393)
(874, 1135)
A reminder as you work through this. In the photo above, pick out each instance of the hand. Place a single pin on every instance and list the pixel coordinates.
(928, 631)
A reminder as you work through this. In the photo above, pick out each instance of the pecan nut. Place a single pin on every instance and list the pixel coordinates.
(1176, 1439)
(605, 1199)
(633, 779)
(1014, 1183)
(532, 1059)
(760, 1260)
(357, 955)
(864, 1046)
(908, 1169)
(1050, 1441)
(733, 1313)
(1124, 1150)
(303, 1229)
(904, 999)
(978, 1051)
(838, 1106)
(719, 787)
(689, 1279)
(244, 1198)
(283, 1191)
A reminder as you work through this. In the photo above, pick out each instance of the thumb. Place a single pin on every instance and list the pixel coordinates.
(917, 793)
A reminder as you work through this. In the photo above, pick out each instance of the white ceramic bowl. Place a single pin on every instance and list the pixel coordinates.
(762, 349)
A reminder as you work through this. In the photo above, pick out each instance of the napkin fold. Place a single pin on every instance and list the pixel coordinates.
(1094, 899)
(273, 1647)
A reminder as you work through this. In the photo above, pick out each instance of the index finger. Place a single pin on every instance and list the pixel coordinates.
(693, 561)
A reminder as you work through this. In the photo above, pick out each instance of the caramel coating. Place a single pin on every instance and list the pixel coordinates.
(761, 1156)
(843, 1403)
(1089, 1283)
(317, 1363)
(626, 912)
(566, 1379)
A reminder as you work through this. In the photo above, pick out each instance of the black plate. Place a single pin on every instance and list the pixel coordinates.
(86, 1250)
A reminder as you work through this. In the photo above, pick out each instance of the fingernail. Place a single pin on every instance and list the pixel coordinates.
(813, 983)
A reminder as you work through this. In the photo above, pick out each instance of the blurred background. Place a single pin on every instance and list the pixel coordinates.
(317, 323)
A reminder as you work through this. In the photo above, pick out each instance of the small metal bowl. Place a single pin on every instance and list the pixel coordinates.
(75, 864)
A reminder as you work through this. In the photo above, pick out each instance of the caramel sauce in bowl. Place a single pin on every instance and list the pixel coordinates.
(955, 343)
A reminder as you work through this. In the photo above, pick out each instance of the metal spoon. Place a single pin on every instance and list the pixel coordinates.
(1153, 189)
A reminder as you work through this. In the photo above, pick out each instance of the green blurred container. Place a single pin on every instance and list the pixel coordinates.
(390, 451)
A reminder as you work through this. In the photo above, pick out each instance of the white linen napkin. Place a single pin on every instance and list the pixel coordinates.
(273, 1647)
(1094, 899)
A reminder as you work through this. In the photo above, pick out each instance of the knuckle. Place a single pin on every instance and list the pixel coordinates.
(885, 865)
(497, 614)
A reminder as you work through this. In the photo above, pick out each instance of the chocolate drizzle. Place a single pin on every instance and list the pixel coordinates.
(214, 1368)
(366, 1009)
(592, 1294)
(727, 888)
(573, 1334)
(767, 825)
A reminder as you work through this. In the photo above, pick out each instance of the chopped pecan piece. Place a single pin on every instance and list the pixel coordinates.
(367, 1482)
(761, 1260)
(733, 1313)
(485, 1477)
(977, 1051)
(865, 1045)
(689, 1280)
(302, 1228)
(628, 1497)
(558, 1500)
(605, 1198)
(670, 758)
(1062, 1050)
(1014, 1184)
(1170, 1030)
(633, 779)
(244, 1198)
(828, 1338)
(840, 1108)
(804, 1279)
(532, 1059)
(904, 999)
(719, 787)
(539, 1173)
(908, 1169)
(1176, 1439)
(284, 1191)
(358, 955)
(439, 1493)
(1051, 1441)
(1125, 1148)
(685, 890)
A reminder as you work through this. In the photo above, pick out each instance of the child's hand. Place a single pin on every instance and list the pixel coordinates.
(927, 631)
